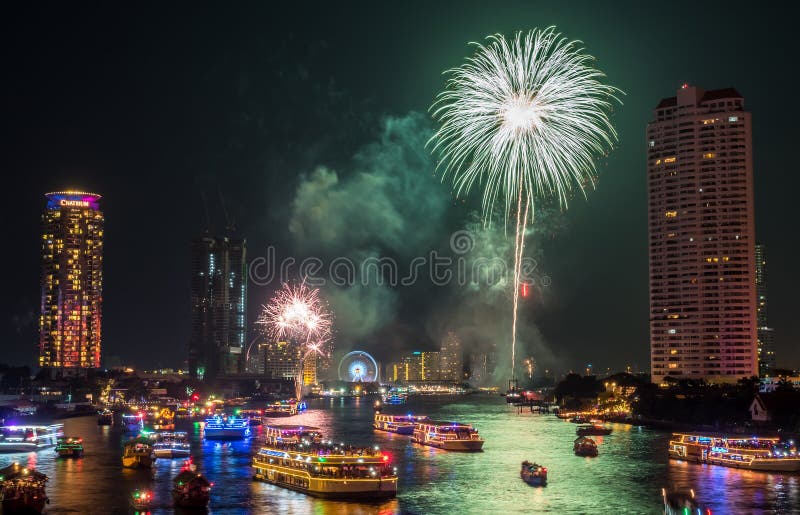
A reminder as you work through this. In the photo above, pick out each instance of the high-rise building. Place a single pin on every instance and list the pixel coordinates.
(72, 282)
(282, 360)
(766, 334)
(702, 237)
(412, 367)
(451, 357)
(219, 304)
(429, 366)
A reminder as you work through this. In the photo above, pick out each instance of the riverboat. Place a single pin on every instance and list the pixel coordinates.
(141, 500)
(191, 489)
(449, 436)
(292, 434)
(138, 453)
(680, 502)
(592, 430)
(105, 418)
(22, 490)
(533, 474)
(326, 470)
(169, 444)
(162, 419)
(753, 453)
(232, 428)
(585, 446)
(69, 447)
(29, 438)
(133, 422)
(280, 409)
(400, 424)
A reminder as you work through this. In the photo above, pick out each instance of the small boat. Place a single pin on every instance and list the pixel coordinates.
(170, 444)
(22, 490)
(400, 424)
(680, 502)
(29, 438)
(593, 430)
(190, 489)
(69, 447)
(138, 453)
(449, 436)
(579, 419)
(232, 428)
(585, 446)
(105, 418)
(280, 409)
(161, 419)
(141, 499)
(533, 474)
(133, 422)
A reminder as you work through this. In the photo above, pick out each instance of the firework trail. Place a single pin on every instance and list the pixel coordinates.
(523, 118)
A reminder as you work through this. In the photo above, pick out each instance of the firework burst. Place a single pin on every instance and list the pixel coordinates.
(522, 118)
(298, 314)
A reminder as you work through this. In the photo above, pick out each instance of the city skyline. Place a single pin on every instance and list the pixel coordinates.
(165, 209)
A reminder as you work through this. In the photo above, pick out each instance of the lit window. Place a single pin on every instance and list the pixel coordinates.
(733, 119)
(708, 155)
(652, 143)
(669, 160)
(671, 214)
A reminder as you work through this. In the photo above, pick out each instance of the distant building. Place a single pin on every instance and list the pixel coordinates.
(70, 319)
(412, 367)
(219, 305)
(774, 407)
(310, 369)
(452, 359)
(702, 237)
(766, 334)
(429, 366)
(282, 360)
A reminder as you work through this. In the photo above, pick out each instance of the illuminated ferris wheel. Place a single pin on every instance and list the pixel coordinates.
(358, 367)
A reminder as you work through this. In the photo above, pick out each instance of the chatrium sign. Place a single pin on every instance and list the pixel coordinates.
(73, 203)
(72, 199)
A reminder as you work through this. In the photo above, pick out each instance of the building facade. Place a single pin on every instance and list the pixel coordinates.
(70, 322)
(451, 357)
(282, 360)
(219, 306)
(701, 237)
(766, 334)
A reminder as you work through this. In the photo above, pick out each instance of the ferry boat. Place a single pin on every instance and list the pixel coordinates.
(593, 430)
(767, 454)
(138, 453)
(105, 418)
(22, 489)
(190, 489)
(280, 409)
(29, 438)
(400, 424)
(232, 428)
(585, 446)
(292, 434)
(449, 436)
(326, 470)
(69, 447)
(170, 445)
(533, 474)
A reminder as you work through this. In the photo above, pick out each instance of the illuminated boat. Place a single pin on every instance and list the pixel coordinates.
(579, 419)
(29, 438)
(22, 490)
(592, 430)
(254, 415)
(133, 422)
(533, 474)
(232, 428)
(190, 489)
(449, 436)
(141, 500)
(585, 446)
(768, 454)
(280, 409)
(170, 445)
(105, 418)
(69, 447)
(161, 419)
(138, 453)
(292, 434)
(400, 424)
(680, 502)
(326, 470)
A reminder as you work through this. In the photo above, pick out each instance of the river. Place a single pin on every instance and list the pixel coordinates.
(627, 477)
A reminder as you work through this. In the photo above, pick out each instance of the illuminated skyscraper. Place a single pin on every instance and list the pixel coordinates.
(282, 360)
(702, 237)
(219, 305)
(451, 367)
(766, 334)
(72, 282)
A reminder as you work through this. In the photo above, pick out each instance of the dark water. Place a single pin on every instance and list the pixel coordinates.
(627, 477)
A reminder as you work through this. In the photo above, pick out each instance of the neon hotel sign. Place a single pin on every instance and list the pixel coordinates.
(73, 203)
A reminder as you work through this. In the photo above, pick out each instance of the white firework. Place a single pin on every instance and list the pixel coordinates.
(525, 117)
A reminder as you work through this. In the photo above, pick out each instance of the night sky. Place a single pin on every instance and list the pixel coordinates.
(307, 126)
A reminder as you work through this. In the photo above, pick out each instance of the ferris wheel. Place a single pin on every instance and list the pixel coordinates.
(358, 367)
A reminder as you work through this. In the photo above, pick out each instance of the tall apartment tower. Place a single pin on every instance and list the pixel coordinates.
(72, 282)
(766, 334)
(451, 358)
(219, 305)
(702, 237)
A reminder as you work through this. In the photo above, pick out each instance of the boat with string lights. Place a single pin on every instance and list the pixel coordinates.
(280, 409)
(754, 453)
(448, 436)
(231, 428)
(138, 453)
(326, 470)
(28, 438)
(133, 422)
(22, 489)
(170, 444)
(190, 489)
(400, 424)
(69, 447)
(291, 434)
